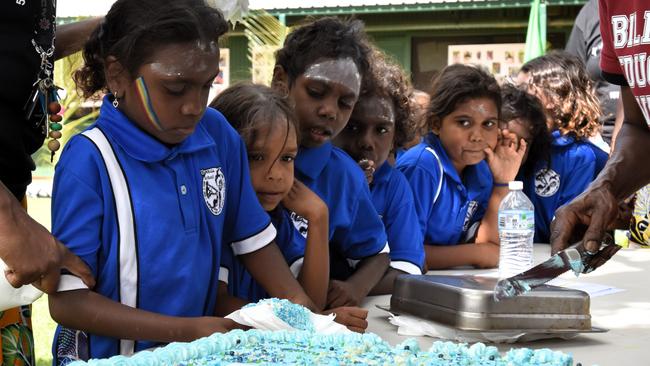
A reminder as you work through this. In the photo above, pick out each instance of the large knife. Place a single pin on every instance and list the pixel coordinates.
(574, 258)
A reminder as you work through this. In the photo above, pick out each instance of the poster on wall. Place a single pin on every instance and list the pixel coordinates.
(222, 81)
(502, 59)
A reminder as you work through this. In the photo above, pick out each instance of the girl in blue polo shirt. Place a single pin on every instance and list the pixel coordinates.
(149, 194)
(566, 92)
(381, 122)
(459, 172)
(268, 127)
(321, 67)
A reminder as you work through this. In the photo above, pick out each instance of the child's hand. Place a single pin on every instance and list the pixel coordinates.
(304, 202)
(507, 156)
(368, 167)
(486, 255)
(208, 325)
(341, 293)
(353, 318)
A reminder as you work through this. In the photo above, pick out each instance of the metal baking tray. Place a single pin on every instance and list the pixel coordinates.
(467, 303)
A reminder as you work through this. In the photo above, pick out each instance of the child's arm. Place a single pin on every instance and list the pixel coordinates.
(483, 255)
(227, 303)
(269, 268)
(504, 163)
(385, 285)
(91, 312)
(352, 291)
(314, 274)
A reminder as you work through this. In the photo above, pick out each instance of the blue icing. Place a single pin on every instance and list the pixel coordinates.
(295, 315)
(307, 348)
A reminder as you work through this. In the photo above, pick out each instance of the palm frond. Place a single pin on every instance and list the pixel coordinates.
(265, 34)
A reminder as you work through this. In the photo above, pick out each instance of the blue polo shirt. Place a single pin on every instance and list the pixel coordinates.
(355, 231)
(186, 201)
(393, 199)
(292, 245)
(574, 165)
(449, 208)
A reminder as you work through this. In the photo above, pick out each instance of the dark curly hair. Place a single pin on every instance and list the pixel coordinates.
(387, 79)
(246, 105)
(133, 30)
(562, 78)
(518, 104)
(456, 84)
(324, 38)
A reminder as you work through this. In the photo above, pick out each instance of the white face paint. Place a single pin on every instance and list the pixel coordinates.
(191, 60)
(342, 71)
(479, 107)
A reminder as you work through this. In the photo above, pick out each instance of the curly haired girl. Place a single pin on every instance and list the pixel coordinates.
(561, 83)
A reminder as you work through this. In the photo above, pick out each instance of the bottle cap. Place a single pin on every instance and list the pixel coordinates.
(516, 185)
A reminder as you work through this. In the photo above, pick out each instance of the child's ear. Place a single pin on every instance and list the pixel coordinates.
(435, 126)
(280, 81)
(116, 78)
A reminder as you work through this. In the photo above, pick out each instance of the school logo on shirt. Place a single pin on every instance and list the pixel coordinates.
(300, 223)
(214, 189)
(471, 209)
(547, 182)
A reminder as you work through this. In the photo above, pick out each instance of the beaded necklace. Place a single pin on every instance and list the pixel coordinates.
(43, 99)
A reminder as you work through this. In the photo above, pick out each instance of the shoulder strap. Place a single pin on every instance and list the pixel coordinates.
(441, 175)
(127, 252)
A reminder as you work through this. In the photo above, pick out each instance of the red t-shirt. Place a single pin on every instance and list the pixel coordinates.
(625, 58)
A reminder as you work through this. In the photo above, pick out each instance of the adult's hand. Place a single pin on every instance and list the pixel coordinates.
(588, 215)
(31, 253)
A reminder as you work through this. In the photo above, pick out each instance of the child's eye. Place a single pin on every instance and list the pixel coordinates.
(288, 158)
(175, 89)
(464, 122)
(315, 93)
(382, 130)
(352, 127)
(346, 104)
(255, 157)
(489, 124)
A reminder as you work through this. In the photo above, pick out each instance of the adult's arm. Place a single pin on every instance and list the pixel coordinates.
(71, 38)
(31, 253)
(626, 171)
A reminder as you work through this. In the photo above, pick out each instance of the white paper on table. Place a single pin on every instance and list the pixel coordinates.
(416, 327)
(593, 289)
(261, 316)
(11, 297)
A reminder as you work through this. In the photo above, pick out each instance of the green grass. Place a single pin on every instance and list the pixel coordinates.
(39, 209)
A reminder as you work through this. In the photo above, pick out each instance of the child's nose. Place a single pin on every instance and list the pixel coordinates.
(476, 135)
(328, 110)
(274, 173)
(365, 140)
(192, 107)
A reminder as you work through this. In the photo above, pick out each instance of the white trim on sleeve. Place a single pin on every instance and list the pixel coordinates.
(223, 274)
(407, 267)
(296, 266)
(255, 242)
(70, 282)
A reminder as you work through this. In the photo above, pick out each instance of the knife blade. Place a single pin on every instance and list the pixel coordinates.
(570, 258)
(575, 257)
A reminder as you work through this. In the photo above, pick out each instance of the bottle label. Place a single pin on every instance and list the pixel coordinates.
(516, 220)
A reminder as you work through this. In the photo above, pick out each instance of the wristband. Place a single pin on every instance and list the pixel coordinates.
(497, 184)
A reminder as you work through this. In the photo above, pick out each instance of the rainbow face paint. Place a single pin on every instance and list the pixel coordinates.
(145, 100)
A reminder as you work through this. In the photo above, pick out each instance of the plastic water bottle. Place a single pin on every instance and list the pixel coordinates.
(516, 231)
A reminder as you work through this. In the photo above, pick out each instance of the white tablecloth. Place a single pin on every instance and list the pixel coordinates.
(626, 314)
